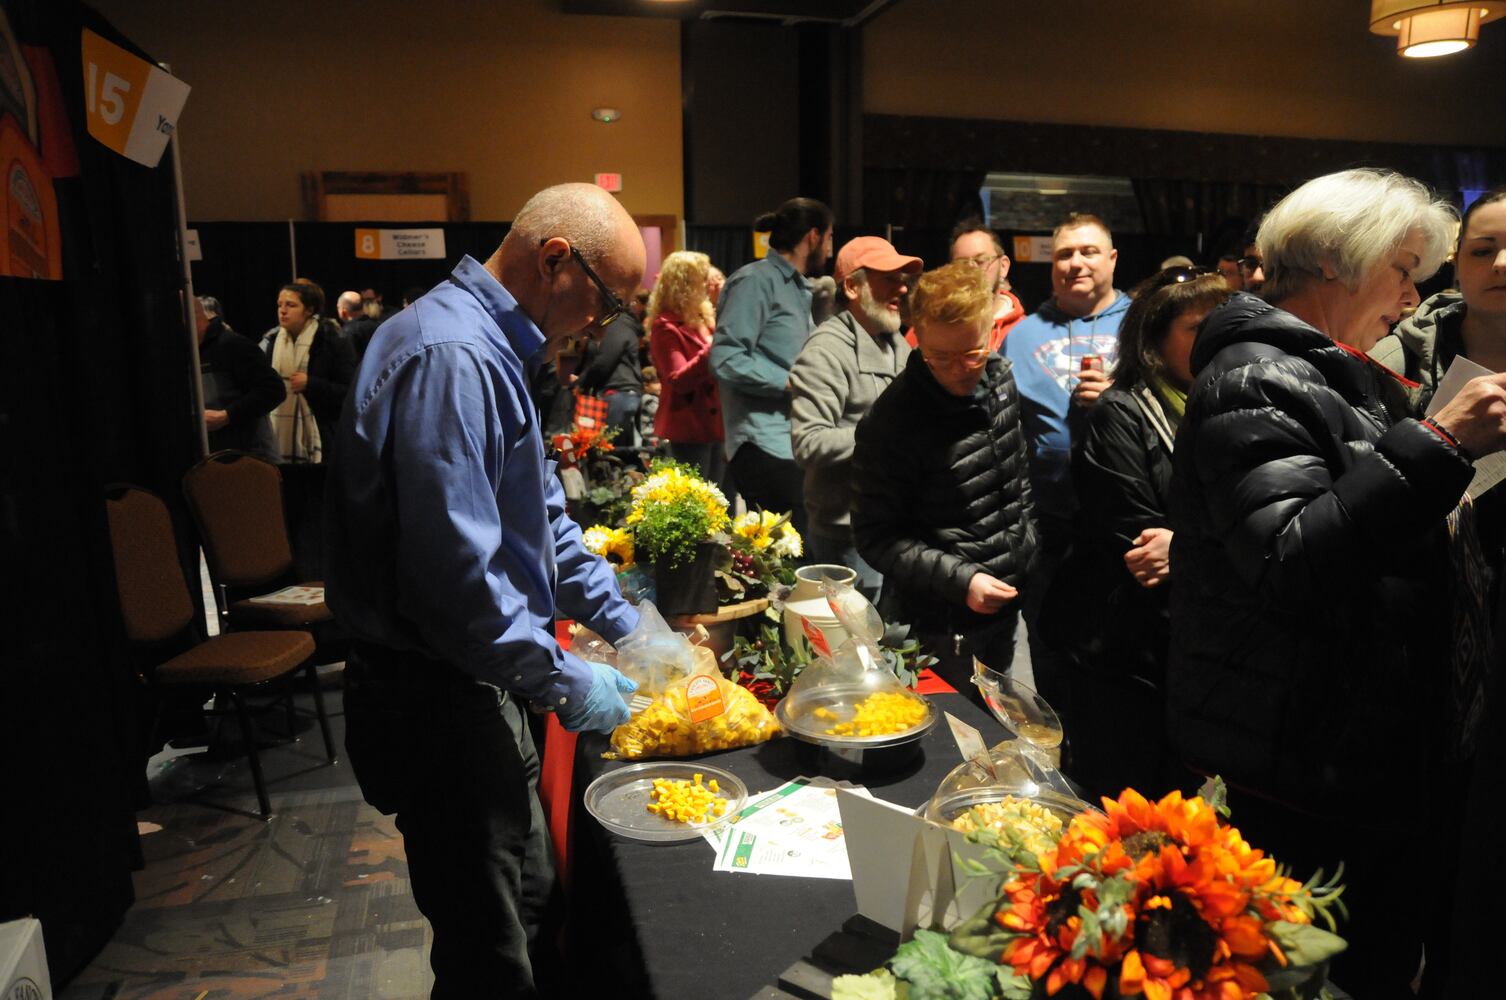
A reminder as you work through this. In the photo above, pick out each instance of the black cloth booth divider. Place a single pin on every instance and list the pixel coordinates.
(98, 389)
(245, 263)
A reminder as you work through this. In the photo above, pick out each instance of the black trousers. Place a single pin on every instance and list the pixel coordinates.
(774, 484)
(1049, 663)
(1385, 948)
(452, 757)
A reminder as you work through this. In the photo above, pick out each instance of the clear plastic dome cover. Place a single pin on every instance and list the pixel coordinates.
(1020, 770)
(1020, 710)
(851, 696)
(856, 613)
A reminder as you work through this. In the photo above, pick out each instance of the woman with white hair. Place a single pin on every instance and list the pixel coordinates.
(1317, 579)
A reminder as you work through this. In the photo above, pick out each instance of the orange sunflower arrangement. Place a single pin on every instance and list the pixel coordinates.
(1158, 900)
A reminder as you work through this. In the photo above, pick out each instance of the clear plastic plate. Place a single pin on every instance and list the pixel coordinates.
(619, 799)
(797, 716)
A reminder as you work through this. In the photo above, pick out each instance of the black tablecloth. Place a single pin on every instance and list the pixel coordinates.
(663, 924)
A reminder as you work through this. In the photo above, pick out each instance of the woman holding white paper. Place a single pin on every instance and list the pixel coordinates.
(1319, 592)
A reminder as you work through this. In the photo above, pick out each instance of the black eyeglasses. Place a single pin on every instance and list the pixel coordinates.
(612, 306)
(1250, 263)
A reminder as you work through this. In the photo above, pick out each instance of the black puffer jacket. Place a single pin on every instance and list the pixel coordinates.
(1309, 641)
(941, 492)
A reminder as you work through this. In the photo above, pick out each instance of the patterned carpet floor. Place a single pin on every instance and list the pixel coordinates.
(313, 903)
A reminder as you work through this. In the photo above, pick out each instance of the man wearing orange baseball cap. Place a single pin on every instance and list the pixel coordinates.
(846, 363)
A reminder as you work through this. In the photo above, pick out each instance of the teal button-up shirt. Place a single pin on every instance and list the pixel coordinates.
(763, 322)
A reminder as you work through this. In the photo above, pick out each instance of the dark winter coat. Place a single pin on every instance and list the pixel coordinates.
(240, 380)
(359, 332)
(1309, 647)
(941, 491)
(331, 370)
(612, 362)
(1121, 473)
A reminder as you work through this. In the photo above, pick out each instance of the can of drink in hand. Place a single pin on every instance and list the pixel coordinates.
(1092, 363)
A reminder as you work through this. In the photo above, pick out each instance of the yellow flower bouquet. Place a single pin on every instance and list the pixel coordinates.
(673, 511)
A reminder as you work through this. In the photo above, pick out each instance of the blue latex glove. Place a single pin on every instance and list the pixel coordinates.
(604, 707)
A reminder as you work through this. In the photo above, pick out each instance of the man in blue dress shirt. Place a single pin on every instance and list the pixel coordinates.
(449, 552)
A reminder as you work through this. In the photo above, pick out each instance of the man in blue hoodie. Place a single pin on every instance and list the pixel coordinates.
(1046, 351)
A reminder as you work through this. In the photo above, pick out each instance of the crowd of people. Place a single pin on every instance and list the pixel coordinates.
(1239, 537)
(1228, 505)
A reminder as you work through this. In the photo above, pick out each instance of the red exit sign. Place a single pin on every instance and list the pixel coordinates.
(609, 182)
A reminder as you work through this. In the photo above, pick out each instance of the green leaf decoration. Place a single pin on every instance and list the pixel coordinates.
(1305, 944)
(1293, 981)
(980, 937)
(1012, 985)
(935, 971)
(1216, 794)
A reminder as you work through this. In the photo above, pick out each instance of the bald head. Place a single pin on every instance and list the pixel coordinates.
(536, 264)
(590, 218)
(349, 306)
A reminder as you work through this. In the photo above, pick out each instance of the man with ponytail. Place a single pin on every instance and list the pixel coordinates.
(762, 323)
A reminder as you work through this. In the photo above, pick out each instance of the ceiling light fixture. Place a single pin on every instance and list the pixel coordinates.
(1427, 28)
(606, 115)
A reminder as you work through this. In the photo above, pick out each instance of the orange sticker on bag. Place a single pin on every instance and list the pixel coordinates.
(703, 695)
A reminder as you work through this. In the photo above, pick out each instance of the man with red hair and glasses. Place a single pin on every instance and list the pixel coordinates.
(941, 491)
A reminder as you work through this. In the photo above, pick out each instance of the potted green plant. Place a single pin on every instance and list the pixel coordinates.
(677, 520)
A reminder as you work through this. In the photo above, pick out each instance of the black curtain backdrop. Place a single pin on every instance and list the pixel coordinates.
(956, 144)
(97, 389)
(922, 173)
(729, 247)
(1223, 212)
(245, 263)
(920, 197)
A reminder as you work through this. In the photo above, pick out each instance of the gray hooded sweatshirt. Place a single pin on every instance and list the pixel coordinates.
(840, 372)
(1412, 349)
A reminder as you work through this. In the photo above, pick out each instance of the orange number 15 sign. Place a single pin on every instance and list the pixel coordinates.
(131, 106)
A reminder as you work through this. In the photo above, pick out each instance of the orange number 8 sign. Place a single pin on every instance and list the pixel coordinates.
(368, 244)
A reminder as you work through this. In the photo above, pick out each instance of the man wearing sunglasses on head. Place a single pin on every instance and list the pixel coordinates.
(941, 494)
(450, 555)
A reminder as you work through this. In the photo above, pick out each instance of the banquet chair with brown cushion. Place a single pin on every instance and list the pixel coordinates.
(236, 502)
(158, 613)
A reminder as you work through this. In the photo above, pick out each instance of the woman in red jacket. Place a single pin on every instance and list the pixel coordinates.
(681, 320)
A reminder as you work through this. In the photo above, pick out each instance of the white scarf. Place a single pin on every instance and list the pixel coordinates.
(293, 425)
